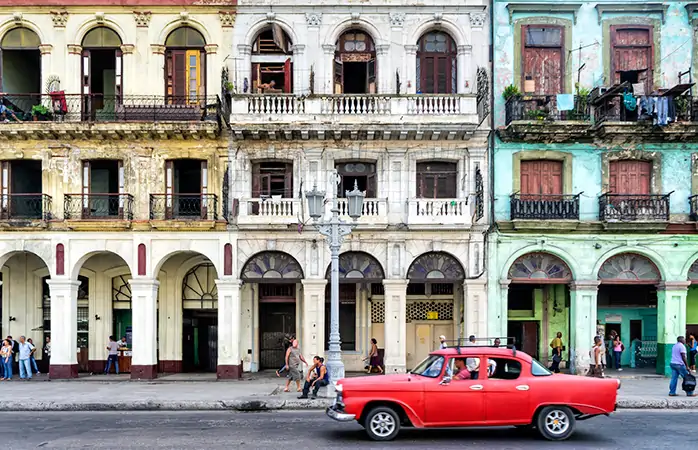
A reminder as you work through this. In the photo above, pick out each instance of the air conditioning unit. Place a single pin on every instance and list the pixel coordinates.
(598, 91)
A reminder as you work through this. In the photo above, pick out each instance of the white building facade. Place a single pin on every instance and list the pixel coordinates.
(160, 193)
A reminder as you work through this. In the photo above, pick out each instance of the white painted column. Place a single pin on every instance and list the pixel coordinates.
(475, 310)
(395, 326)
(465, 69)
(409, 80)
(244, 69)
(229, 313)
(327, 78)
(144, 296)
(301, 71)
(313, 326)
(386, 73)
(64, 328)
(583, 307)
(501, 310)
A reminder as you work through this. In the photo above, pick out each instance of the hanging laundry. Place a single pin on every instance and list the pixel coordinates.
(671, 109)
(662, 111)
(629, 101)
(565, 102)
(639, 89)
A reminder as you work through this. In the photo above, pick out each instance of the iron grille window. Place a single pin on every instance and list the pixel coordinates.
(479, 195)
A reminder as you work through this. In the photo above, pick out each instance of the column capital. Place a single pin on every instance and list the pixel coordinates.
(245, 49)
(319, 283)
(399, 283)
(584, 285)
(476, 282)
(382, 49)
(673, 285)
(228, 283)
(298, 49)
(465, 49)
(504, 283)
(74, 49)
(329, 49)
(45, 49)
(411, 49)
(144, 283)
(128, 49)
(157, 49)
(211, 49)
(62, 283)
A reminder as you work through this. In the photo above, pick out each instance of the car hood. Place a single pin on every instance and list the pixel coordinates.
(382, 382)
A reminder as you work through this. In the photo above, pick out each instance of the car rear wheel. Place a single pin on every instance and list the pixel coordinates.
(382, 424)
(556, 423)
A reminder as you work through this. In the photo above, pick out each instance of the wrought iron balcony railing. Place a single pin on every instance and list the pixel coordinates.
(658, 109)
(693, 203)
(98, 206)
(183, 207)
(25, 207)
(544, 207)
(545, 108)
(631, 208)
(59, 107)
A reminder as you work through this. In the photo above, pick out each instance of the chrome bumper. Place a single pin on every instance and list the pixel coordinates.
(339, 416)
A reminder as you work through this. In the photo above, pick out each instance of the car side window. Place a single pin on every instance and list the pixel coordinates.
(539, 370)
(503, 369)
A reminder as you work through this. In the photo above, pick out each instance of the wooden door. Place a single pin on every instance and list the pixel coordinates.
(338, 76)
(530, 338)
(632, 49)
(423, 338)
(176, 75)
(86, 172)
(541, 177)
(86, 82)
(630, 177)
(371, 76)
(288, 76)
(5, 184)
(203, 206)
(543, 58)
(122, 189)
(118, 81)
(169, 189)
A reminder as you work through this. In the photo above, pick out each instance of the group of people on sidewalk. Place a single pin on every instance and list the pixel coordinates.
(19, 356)
(316, 377)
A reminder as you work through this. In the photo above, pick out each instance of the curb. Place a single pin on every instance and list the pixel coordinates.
(257, 404)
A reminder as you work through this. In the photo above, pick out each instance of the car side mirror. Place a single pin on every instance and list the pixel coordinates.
(445, 380)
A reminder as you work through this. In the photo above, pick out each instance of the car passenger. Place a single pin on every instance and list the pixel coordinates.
(491, 367)
(462, 372)
(473, 366)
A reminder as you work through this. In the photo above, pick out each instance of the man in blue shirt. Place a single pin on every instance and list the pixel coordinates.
(25, 351)
(4, 111)
(678, 365)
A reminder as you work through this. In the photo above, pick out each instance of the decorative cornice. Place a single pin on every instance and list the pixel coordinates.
(673, 285)
(128, 49)
(547, 8)
(59, 18)
(45, 49)
(639, 7)
(227, 18)
(584, 285)
(74, 49)
(211, 49)
(157, 49)
(504, 284)
(397, 20)
(298, 49)
(142, 18)
(411, 49)
(382, 49)
(313, 19)
(477, 20)
(244, 49)
(329, 49)
(465, 50)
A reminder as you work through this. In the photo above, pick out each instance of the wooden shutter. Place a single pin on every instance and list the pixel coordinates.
(122, 190)
(370, 186)
(169, 188)
(256, 181)
(86, 172)
(541, 177)
(371, 76)
(118, 88)
(5, 184)
(192, 74)
(632, 50)
(256, 77)
(288, 181)
(177, 73)
(2, 86)
(543, 61)
(86, 81)
(630, 177)
(204, 189)
(338, 76)
(288, 76)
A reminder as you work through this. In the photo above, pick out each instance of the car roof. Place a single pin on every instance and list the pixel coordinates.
(480, 350)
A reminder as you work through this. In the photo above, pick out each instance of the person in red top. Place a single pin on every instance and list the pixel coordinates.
(462, 372)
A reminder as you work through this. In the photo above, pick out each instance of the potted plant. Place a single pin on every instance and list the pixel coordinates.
(40, 112)
(229, 87)
(510, 92)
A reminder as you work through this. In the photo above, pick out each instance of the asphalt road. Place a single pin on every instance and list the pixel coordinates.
(294, 430)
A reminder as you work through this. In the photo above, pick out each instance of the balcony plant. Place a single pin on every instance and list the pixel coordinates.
(40, 112)
(510, 92)
(536, 114)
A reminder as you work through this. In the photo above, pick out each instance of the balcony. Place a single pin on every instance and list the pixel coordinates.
(374, 212)
(433, 213)
(537, 117)
(352, 116)
(544, 207)
(278, 212)
(617, 209)
(693, 203)
(183, 207)
(25, 207)
(73, 116)
(98, 207)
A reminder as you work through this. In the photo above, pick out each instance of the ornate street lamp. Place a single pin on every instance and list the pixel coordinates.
(334, 230)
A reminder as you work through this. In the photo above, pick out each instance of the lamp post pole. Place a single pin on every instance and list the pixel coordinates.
(334, 231)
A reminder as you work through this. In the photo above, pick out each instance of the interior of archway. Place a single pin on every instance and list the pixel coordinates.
(101, 72)
(272, 62)
(355, 63)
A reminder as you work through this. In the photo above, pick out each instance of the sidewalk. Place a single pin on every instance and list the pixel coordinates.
(257, 392)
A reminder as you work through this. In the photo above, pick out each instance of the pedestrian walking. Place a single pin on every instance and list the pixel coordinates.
(317, 377)
(25, 350)
(294, 358)
(286, 343)
(46, 355)
(15, 352)
(692, 350)
(596, 368)
(35, 367)
(556, 345)
(609, 355)
(374, 359)
(6, 357)
(618, 348)
(679, 365)
(113, 357)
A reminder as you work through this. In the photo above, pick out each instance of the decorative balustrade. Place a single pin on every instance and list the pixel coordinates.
(355, 104)
(183, 206)
(544, 207)
(270, 207)
(631, 208)
(371, 208)
(278, 104)
(25, 207)
(448, 211)
(434, 104)
(98, 206)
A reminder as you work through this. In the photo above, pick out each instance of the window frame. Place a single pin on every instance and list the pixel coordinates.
(561, 47)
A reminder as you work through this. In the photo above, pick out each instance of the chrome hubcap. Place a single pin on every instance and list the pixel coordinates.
(556, 422)
(382, 424)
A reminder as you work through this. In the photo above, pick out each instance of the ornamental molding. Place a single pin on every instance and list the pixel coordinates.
(477, 20)
(74, 49)
(313, 19)
(59, 18)
(142, 18)
(397, 19)
(227, 18)
(128, 49)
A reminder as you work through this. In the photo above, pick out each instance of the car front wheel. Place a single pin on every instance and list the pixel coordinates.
(556, 423)
(382, 424)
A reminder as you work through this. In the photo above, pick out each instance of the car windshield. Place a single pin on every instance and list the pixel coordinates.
(430, 367)
(538, 369)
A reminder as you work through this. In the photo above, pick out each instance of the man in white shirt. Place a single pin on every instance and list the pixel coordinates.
(113, 357)
(25, 351)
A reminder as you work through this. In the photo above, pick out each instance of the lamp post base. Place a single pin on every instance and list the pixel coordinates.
(335, 366)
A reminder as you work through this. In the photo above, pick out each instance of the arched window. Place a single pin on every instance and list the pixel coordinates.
(102, 67)
(272, 62)
(355, 64)
(21, 68)
(437, 57)
(185, 78)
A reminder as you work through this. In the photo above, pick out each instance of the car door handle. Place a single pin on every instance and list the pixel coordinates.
(522, 387)
(476, 387)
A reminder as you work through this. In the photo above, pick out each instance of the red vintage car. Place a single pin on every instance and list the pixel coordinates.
(474, 387)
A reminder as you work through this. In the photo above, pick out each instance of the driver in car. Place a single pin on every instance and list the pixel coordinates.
(462, 372)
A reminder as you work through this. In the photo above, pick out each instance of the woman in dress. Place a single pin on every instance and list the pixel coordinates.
(374, 357)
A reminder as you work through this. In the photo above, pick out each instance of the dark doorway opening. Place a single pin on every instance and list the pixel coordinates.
(355, 77)
(21, 184)
(189, 184)
(103, 185)
(200, 340)
(526, 334)
(277, 319)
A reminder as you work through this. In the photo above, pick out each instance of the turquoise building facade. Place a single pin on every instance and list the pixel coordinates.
(595, 170)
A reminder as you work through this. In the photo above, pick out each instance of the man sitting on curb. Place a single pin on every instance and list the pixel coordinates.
(317, 378)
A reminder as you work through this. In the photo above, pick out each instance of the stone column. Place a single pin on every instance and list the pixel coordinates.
(301, 73)
(327, 79)
(64, 328)
(475, 307)
(385, 75)
(144, 296)
(156, 67)
(244, 70)
(313, 326)
(229, 314)
(410, 79)
(499, 311)
(671, 320)
(465, 69)
(46, 63)
(395, 326)
(583, 307)
(129, 69)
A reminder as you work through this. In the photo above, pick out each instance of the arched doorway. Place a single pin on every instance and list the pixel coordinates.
(200, 315)
(272, 62)
(101, 73)
(355, 64)
(360, 274)
(185, 75)
(627, 304)
(692, 301)
(21, 71)
(275, 276)
(437, 57)
(434, 293)
(538, 303)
